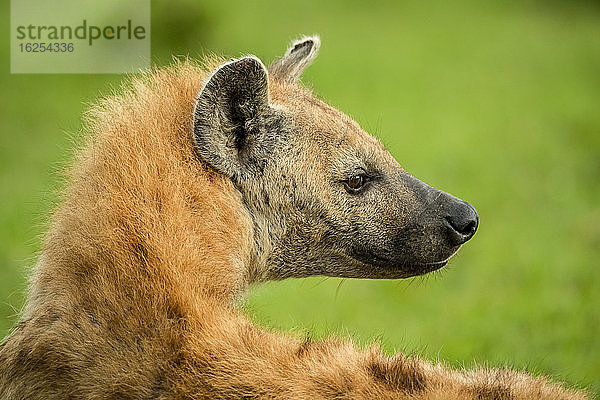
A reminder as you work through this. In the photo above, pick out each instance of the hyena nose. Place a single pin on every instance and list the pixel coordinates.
(462, 222)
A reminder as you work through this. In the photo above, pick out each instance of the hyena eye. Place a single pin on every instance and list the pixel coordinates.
(356, 182)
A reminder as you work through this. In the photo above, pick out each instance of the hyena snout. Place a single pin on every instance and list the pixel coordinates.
(441, 223)
(461, 220)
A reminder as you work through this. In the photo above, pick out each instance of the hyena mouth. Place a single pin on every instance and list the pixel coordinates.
(405, 269)
(410, 270)
(427, 268)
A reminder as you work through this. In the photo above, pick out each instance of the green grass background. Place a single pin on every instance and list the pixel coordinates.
(495, 102)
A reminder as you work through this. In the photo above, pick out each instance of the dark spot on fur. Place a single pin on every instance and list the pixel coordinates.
(339, 389)
(20, 325)
(178, 360)
(174, 312)
(141, 253)
(399, 375)
(48, 318)
(492, 392)
(119, 393)
(245, 393)
(140, 345)
(93, 319)
(159, 387)
(22, 356)
(305, 347)
(266, 198)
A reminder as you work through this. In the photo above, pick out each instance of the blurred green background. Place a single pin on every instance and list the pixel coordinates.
(495, 102)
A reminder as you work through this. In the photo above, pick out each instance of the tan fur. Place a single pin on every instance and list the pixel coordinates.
(134, 294)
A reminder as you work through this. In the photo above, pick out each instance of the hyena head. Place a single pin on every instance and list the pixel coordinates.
(325, 197)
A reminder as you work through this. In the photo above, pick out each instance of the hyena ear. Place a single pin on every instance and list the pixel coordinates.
(229, 114)
(298, 56)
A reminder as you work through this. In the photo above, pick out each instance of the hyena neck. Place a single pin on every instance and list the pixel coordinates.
(141, 211)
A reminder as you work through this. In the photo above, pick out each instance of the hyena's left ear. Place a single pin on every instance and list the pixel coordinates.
(298, 56)
(230, 114)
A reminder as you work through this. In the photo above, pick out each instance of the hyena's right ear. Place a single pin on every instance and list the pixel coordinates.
(298, 56)
(230, 112)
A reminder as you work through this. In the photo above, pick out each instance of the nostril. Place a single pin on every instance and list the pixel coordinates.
(463, 220)
(469, 228)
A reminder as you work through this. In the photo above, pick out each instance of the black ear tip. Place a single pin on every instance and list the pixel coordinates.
(298, 56)
(247, 63)
(307, 44)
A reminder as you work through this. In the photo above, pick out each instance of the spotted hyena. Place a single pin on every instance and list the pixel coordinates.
(197, 181)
